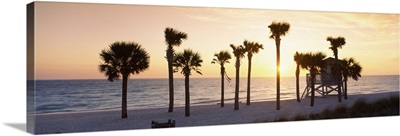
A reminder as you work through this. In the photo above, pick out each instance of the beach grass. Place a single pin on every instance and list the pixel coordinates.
(360, 108)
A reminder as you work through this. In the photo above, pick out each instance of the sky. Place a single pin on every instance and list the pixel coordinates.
(69, 37)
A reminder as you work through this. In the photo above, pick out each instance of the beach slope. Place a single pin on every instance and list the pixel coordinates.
(200, 115)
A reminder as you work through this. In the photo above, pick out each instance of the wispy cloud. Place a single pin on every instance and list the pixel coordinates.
(229, 18)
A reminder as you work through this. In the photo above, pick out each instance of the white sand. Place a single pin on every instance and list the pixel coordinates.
(200, 115)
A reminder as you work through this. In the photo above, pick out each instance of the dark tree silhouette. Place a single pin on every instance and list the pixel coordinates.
(251, 48)
(337, 43)
(123, 59)
(238, 52)
(350, 68)
(298, 59)
(172, 38)
(187, 61)
(222, 58)
(278, 29)
(313, 62)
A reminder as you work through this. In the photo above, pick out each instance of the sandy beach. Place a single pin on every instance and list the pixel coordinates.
(200, 115)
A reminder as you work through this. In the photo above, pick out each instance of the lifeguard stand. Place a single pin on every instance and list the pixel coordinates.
(325, 82)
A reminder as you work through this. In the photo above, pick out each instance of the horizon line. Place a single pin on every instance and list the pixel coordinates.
(183, 77)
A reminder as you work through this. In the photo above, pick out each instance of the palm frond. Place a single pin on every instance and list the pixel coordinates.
(221, 57)
(350, 68)
(187, 61)
(298, 57)
(278, 29)
(198, 71)
(174, 37)
(313, 60)
(252, 47)
(111, 72)
(336, 43)
(123, 58)
(214, 61)
(227, 77)
(238, 51)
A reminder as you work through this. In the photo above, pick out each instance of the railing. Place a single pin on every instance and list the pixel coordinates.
(316, 81)
(326, 79)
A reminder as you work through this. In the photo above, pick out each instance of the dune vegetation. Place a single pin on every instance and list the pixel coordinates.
(360, 108)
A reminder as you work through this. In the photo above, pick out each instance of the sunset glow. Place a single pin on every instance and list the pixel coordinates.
(69, 37)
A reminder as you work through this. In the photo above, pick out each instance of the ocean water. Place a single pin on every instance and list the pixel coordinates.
(52, 96)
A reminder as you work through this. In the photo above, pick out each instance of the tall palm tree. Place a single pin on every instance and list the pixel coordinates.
(238, 52)
(298, 57)
(172, 38)
(221, 58)
(337, 43)
(350, 68)
(123, 59)
(187, 61)
(278, 29)
(313, 62)
(251, 48)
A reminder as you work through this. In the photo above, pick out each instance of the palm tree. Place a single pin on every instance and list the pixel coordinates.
(298, 57)
(350, 68)
(337, 43)
(123, 59)
(313, 62)
(278, 29)
(187, 61)
(221, 58)
(238, 51)
(172, 38)
(251, 48)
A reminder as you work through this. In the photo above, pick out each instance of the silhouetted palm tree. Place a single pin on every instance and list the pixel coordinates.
(238, 52)
(221, 58)
(187, 61)
(350, 68)
(251, 48)
(313, 62)
(298, 59)
(172, 38)
(337, 43)
(123, 59)
(278, 29)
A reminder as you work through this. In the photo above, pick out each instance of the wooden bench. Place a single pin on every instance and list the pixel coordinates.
(156, 124)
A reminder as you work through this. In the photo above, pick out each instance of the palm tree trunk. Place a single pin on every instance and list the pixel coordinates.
(187, 96)
(248, 81)
(222, 85)
(339, 80)
(237, 85)
(124, 96)
(170, 58)
(345, 89)
(278, 72)
(297, 83)
(312, 71)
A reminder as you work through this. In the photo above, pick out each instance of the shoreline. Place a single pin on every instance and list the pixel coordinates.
(192, 105)
(201, 115)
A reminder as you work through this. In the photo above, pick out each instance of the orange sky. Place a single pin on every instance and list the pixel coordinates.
(69, 37)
